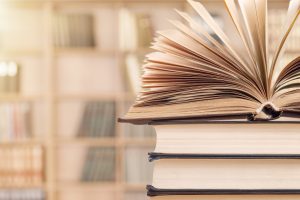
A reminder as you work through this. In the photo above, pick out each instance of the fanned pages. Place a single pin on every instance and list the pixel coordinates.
(196, 73)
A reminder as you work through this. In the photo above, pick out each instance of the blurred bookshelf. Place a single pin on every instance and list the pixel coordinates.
(70, 72)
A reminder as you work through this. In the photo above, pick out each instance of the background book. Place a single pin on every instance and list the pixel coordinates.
(15, 121)
(92, 164)
(141, 30)
(99, 165)
(24, 166)
(9, 77)
(22, 194)
(73, 30)
(98, 120)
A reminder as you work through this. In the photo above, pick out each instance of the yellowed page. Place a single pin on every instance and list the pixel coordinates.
(200, 9)
(233, 11)
(292, 15)
(250, 15)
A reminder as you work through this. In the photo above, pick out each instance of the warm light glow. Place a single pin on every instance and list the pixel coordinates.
(8, 69)
(3, 69)
(3, 6)
(12, 69)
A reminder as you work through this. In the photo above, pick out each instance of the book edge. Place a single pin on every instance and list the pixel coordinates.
(153, 156)
(153, 191)
(208, 119)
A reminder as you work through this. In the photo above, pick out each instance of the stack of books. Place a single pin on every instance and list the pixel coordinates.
(226, 160)
(226, 118)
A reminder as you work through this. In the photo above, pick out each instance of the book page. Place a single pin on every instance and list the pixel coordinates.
(292, 15)
(200, 9)
(250, 12)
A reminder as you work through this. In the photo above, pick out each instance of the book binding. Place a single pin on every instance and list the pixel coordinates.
(153, 191)
(267, 111)
(156, 156)
(267, 114)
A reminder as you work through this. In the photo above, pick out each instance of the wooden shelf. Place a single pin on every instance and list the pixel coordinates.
(108, 142)
(86, 185)
(139, 51)
(103, 142)
(108, 96)
(102, 96)
(91, 51)
(137, 187)
(24, 3)
(23, 142)
(19, 53)
(22, 186)
(19, 97)
(88, 51)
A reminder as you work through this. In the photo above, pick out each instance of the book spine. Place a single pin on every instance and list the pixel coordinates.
(24, 194)
(84, 120)
(99, 165)
(88, 164)
(23, 165)
(153, 191)
(15, 121)
(156, 156)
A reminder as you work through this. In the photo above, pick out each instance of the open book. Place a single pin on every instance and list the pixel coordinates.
(193, 74)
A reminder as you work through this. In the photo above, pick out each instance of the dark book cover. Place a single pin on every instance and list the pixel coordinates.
(156, 156)
(153, 191)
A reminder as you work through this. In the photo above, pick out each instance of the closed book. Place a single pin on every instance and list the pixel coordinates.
(227, 174)
(225, 158)
(227, 137)
(228, 197)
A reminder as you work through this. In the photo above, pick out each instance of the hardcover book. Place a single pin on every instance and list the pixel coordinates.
(190, 138)
(228, 197)
(225, 158)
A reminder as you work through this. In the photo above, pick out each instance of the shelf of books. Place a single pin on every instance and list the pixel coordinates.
(68, 70)
(22, 106)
